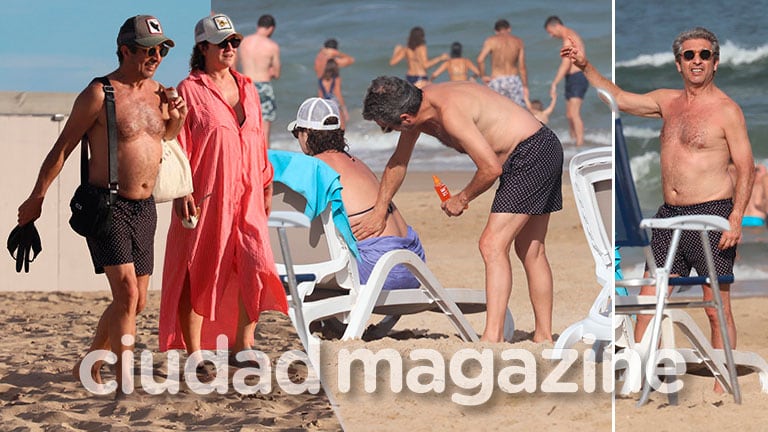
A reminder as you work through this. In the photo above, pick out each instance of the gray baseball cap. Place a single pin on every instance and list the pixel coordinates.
(143, 30)
(215, 29)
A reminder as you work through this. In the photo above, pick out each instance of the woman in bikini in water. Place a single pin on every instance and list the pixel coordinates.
(457, 66)
(416, 54)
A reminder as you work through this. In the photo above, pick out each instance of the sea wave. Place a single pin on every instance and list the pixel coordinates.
(641, 165)
(640, 132)
(731, 54)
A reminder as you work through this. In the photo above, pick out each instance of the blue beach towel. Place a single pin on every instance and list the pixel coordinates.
(318, 183)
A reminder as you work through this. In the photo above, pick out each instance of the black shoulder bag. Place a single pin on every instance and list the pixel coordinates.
(92, 206)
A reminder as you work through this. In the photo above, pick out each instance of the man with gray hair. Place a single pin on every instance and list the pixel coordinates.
(702, 131)
(506, 143)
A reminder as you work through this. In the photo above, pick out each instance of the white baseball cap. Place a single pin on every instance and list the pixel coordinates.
(313, 113)
(215, 29)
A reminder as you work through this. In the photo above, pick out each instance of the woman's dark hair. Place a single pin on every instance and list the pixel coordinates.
(331, 69)
(197, 60)
(416, 38)
(455, 50)
(319, 141)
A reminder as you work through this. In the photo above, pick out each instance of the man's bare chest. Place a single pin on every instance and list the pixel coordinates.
(444, 137)
(137, 115)
(691, 129)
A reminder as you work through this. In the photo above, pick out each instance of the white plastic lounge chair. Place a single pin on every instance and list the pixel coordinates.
(631, 232)
(591, 175)
(329, 286)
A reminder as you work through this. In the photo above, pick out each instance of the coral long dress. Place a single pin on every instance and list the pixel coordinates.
(228, 255)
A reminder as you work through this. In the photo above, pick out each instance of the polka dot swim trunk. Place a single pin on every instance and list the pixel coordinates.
(690, 253)
(531, 179)
(131, 238)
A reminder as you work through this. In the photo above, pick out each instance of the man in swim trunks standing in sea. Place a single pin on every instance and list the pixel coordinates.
(506, 143)
(576, 84)
(703, 129)
(259, 60)
(145, 115)
(509, 76)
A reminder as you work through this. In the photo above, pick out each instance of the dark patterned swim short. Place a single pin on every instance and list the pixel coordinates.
(131, 238)
(531, 179)
(576, 85)
(690, 253)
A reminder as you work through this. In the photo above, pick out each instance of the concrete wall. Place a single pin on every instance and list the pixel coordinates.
(28, 133)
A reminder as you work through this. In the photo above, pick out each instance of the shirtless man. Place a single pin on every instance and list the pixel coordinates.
(576, 84)
(259, 59)
(703, 129)
(506, 143)
(145, 116)
(509, 76)
(330, 50)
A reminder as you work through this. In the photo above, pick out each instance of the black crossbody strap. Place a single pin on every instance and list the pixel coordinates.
(109, 103)
(84, 160)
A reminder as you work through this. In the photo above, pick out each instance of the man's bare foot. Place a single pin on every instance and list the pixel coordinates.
(718, 388)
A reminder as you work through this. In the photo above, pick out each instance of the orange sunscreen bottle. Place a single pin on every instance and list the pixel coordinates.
(441, 189)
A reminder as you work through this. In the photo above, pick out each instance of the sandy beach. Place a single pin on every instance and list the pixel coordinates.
(699, 407)
(451, 248)
(45, 332)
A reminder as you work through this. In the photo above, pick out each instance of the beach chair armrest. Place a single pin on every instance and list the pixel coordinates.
(692, 223)
(288, 219)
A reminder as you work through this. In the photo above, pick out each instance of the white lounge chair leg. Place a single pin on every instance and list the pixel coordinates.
(509, 326)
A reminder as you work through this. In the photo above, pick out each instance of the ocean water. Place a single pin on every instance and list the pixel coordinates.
(644, 61)
(369, 30)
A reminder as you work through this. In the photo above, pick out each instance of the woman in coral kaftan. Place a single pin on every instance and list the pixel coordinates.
(219, 276)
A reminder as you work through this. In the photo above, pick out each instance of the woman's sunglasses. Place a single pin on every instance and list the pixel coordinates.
(704, 54)
(296, 131)
(235, 42)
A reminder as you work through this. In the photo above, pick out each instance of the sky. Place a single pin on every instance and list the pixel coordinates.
(60, 45)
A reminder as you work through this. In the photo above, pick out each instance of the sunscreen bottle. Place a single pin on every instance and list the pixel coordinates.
(441, 189)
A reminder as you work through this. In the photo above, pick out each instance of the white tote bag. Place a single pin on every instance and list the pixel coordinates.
(174, 180)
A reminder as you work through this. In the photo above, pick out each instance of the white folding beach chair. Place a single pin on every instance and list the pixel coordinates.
(631, 232)
(591, 174)
(329, 285)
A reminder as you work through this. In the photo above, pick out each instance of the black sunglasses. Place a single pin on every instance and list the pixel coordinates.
(235, 42)
(296, 131)
(151, 52)
(704, 54)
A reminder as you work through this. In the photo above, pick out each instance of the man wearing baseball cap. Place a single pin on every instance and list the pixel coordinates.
(143, 30)
(144, 117)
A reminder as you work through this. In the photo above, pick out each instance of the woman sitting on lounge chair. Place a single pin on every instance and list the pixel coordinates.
(317, 127)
